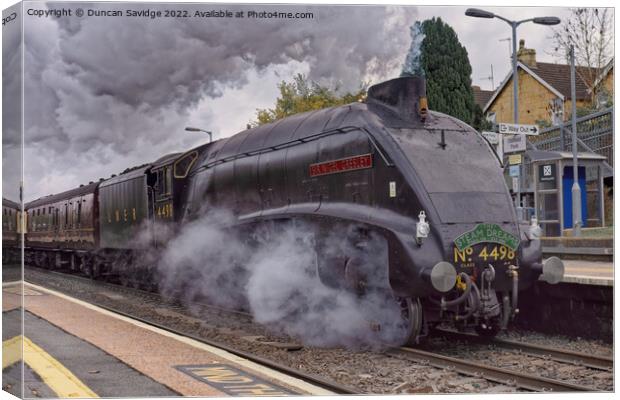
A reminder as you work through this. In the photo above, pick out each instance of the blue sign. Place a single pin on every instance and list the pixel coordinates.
(514, 170)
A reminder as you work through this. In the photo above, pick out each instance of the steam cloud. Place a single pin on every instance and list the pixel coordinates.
(274, 275)
(103, 94)
(413, 61)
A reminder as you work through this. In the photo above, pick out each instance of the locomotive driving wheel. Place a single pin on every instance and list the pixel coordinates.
(411, 314)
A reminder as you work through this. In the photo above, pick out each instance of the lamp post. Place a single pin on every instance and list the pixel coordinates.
(475, 12)
(190, 129)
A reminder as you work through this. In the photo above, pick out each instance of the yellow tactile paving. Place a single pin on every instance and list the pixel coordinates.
(11, 351)
(55, 375)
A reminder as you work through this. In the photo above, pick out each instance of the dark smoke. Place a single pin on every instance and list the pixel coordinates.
(106, 93)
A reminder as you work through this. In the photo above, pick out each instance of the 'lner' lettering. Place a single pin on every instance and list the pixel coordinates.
(232, 381)
(255, 390)
(221, 375)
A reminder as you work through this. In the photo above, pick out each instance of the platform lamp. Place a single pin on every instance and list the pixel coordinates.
(475, 12)
(190, 129)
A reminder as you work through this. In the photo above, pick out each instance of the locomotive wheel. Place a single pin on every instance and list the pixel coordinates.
(411, 313)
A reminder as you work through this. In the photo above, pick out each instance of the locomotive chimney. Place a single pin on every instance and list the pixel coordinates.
(405, 96)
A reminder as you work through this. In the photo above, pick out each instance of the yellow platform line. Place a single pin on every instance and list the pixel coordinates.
(11, 351)
(62, 381)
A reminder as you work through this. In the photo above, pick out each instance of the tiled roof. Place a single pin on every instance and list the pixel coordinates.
(558, 76)
(481, 97)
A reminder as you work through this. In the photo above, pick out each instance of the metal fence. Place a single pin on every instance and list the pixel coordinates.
(595, 133)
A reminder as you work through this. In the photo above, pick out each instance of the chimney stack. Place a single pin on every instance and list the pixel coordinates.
(405, 96)
(526, 56)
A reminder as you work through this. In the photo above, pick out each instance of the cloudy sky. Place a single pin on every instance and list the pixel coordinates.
(106, 93)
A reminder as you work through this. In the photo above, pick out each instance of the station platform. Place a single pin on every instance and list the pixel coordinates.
(585, 272)
(75, 349)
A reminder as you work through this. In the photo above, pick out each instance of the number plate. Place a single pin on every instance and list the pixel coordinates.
(483, 254)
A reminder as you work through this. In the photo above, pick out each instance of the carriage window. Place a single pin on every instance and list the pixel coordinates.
(79, 213)
(160, 181)
(163, 187)
(182, 166)
(168, 174)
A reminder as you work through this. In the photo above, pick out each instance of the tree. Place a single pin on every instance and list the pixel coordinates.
(479, 122)
(590, 31)
(448, 72)
(302, 95)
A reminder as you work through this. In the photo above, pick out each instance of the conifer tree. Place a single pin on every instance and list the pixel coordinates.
(448, 72)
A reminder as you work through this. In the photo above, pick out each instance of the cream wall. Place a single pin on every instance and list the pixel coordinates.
(534, 101)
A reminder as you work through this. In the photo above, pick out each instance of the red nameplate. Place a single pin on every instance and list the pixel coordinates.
(344, 164)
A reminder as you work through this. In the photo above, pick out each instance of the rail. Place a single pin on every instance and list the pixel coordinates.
(561, 355)
(493, 374)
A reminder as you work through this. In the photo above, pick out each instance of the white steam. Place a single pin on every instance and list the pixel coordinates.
(273, 274)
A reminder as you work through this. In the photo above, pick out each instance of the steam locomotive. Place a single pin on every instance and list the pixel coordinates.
(428, 185)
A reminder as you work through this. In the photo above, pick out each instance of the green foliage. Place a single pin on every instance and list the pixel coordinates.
(448, 72)
(584, 111)
(302, 95)
(479, 122)
(543, 123)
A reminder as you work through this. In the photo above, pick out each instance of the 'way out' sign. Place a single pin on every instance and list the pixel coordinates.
(514, 129)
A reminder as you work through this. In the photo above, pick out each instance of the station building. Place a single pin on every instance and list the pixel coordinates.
(545, 100)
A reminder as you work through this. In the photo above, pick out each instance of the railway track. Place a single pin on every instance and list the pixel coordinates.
(493, 374)
(566, 356)
(171, 302)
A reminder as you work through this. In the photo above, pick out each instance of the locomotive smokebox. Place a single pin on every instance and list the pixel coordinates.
(405, 96)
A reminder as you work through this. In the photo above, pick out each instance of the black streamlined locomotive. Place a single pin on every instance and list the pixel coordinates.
(427, 184)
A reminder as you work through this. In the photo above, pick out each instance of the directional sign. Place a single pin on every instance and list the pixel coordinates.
(514, 143)
(492, 137)
(514, 170)
(514, 129)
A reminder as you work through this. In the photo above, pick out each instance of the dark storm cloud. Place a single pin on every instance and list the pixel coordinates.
(102, 91)
(11, 104)
(171, 61)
